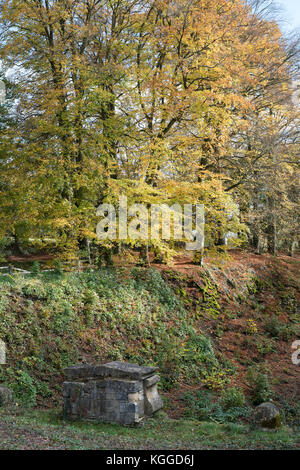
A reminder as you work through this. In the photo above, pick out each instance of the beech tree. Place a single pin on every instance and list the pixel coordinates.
(166, 102)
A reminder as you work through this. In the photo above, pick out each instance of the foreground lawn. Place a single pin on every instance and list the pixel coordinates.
(35, 430)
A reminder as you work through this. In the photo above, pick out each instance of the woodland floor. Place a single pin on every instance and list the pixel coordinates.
(44, 430)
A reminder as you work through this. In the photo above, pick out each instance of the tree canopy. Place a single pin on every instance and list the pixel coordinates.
(164, 101)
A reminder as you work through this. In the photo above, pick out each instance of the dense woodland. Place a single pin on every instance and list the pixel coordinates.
(164, 101)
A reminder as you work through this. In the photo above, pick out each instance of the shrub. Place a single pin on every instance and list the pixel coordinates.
(258, 380)
(265, 345)
(35, 268)
(232, 398)
(34, 288)
(273, 326)
(281, 330)
(23, 386)
(290, 412)
(251, 328)
(132, 316)
(289, 301)
(203, 406)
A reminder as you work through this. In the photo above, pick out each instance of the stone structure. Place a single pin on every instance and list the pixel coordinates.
(113, 392)
(2, 352)
(266, 416)
(6, 396)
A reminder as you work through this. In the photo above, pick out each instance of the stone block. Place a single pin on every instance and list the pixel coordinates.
(6, 396)
(113, 392)
(78, 372)
(2, 352)
(124, 370)
(151, 381)
(152, 400)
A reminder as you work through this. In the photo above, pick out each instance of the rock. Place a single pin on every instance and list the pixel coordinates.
(152, 400)
(6, 396)
(151, 381)
(266, 416)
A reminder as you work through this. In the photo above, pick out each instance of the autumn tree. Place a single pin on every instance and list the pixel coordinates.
(65, 147)
(158, 100)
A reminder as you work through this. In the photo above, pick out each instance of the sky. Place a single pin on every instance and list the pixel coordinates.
(291, 13)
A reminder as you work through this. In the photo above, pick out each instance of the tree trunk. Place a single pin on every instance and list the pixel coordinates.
(144, 256)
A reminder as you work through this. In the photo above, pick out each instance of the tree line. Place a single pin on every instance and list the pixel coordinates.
(166, 101)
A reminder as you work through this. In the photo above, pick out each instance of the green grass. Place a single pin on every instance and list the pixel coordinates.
(35, 430)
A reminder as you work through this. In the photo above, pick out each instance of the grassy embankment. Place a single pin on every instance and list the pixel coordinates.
(181, 323)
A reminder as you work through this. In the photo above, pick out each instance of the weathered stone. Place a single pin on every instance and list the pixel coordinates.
(124, 370)
(266, 416)
(6, 396)
(113, 392)
(152, 400)
(151, 381)
(2, 352)
(78, 372)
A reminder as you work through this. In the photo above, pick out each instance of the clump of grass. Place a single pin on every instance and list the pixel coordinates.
(258, 377)
(205, 406)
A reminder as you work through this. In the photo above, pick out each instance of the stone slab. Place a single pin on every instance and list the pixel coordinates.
(114, 369)
(114, 392)
(124, 370)
(151, 381)
(2, 352)
(79, 372)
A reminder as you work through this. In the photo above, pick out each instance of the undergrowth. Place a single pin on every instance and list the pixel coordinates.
(52, 320)
(205, 406)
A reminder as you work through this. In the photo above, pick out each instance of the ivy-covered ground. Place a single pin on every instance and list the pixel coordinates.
(50, 321)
